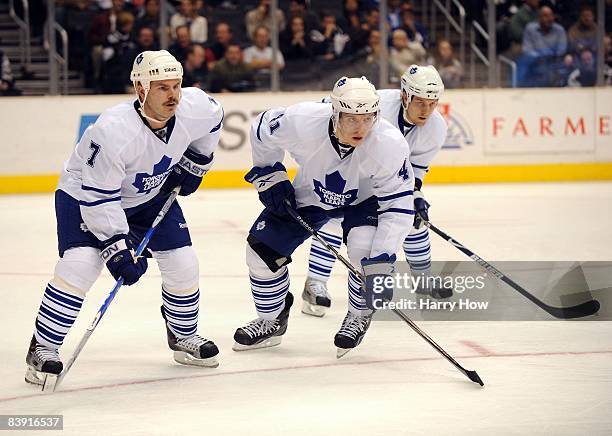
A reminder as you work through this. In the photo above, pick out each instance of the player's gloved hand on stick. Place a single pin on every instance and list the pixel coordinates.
(273, 187)
(420, 206)
(188, 172)
(378, 284)
(118, 253)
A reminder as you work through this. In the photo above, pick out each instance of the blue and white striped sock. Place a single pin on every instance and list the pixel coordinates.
(269, 293)
(321, 261)
(181, 312)
(58, 311)
(417, 249)
(357, 304)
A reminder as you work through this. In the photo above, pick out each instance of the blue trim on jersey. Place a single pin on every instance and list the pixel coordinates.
(259, 125)
(419, 166)
(98, 202)
(397, 210)
(218, 126)
(394, 196)
(100, 191)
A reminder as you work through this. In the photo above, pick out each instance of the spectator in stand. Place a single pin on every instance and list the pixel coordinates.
(371, 21)
(404, 53)
(231, 74)
(544, 45)
(195, 72)
(369, 65)
(447, 64)
(525, 15)
(101, 26)
(149, 17)
(352, 23)
(260, 16)
(188, 16)
(216, 50)
(415, 30)
(583, 33)
(259, 56)
(145, 40)
(294, 43)
(7, 82)
(183, 40)
(78, 15)
(607, 42)
(585, 73)
(394, 13)
(299, 8)
(116, 56)
(329, 41)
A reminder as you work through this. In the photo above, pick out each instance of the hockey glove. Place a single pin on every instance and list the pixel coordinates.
(118, 253)
(273, 186)
(421, 206)
(188, 172)
(378, 286)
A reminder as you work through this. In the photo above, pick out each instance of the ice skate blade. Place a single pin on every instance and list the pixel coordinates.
(47, 381)
(313, 309)
(187, 359)
(341, 352)
(270, 342)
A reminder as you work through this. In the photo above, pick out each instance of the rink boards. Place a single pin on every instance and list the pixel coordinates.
(494, 136)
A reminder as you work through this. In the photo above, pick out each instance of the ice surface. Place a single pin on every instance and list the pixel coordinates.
(544, 378)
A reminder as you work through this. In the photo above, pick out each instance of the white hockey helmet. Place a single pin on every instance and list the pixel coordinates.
(422, 81)
(154, 65)
(354, 95)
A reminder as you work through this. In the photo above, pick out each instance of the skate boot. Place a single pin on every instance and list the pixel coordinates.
(263, 333)
(194, 350)
(352, 331)
(433, 288)
(316, 298)
(44, 365)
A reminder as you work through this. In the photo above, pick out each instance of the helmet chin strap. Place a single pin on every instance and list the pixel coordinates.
(144, 115)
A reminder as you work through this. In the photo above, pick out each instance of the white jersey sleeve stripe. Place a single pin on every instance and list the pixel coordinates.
(394, 196)
(100, 191)
(98, 202)
(397, 210)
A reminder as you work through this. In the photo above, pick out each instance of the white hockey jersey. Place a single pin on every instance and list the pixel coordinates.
(424, 141)
(380, 166)
(120, 162)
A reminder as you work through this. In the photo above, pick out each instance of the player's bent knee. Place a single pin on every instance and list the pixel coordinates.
(261, 258)
(359, 243)
(78, 269)
(179, 268)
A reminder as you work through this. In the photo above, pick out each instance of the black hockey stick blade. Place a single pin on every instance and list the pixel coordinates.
(584, 309)
(473, 375)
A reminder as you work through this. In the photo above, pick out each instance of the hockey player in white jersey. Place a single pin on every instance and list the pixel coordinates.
(110, 191)
(412, 110)
(351, 165)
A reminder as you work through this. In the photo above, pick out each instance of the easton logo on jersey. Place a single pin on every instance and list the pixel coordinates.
(145, 182)
(332, 193)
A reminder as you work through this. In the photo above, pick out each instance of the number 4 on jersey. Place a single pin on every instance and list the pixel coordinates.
(95, 150)
(403, 173)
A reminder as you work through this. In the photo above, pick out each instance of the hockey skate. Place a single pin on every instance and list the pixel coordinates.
(194, 350)
(316, 298)
(44, 365)
(263, 333)
(433, 289)
(352, 331)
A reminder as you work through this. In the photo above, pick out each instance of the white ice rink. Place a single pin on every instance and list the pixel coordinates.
(541, 378)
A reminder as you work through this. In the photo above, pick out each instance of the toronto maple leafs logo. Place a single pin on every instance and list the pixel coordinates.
(139, 59)
(341, 82)
(145, 182)
(332, 193)
(413, 70)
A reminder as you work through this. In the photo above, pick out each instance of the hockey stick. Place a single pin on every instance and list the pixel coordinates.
(584, 309)
(141, 247)
(472, 375)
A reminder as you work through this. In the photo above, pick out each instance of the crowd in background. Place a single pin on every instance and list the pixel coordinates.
(224, 49)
